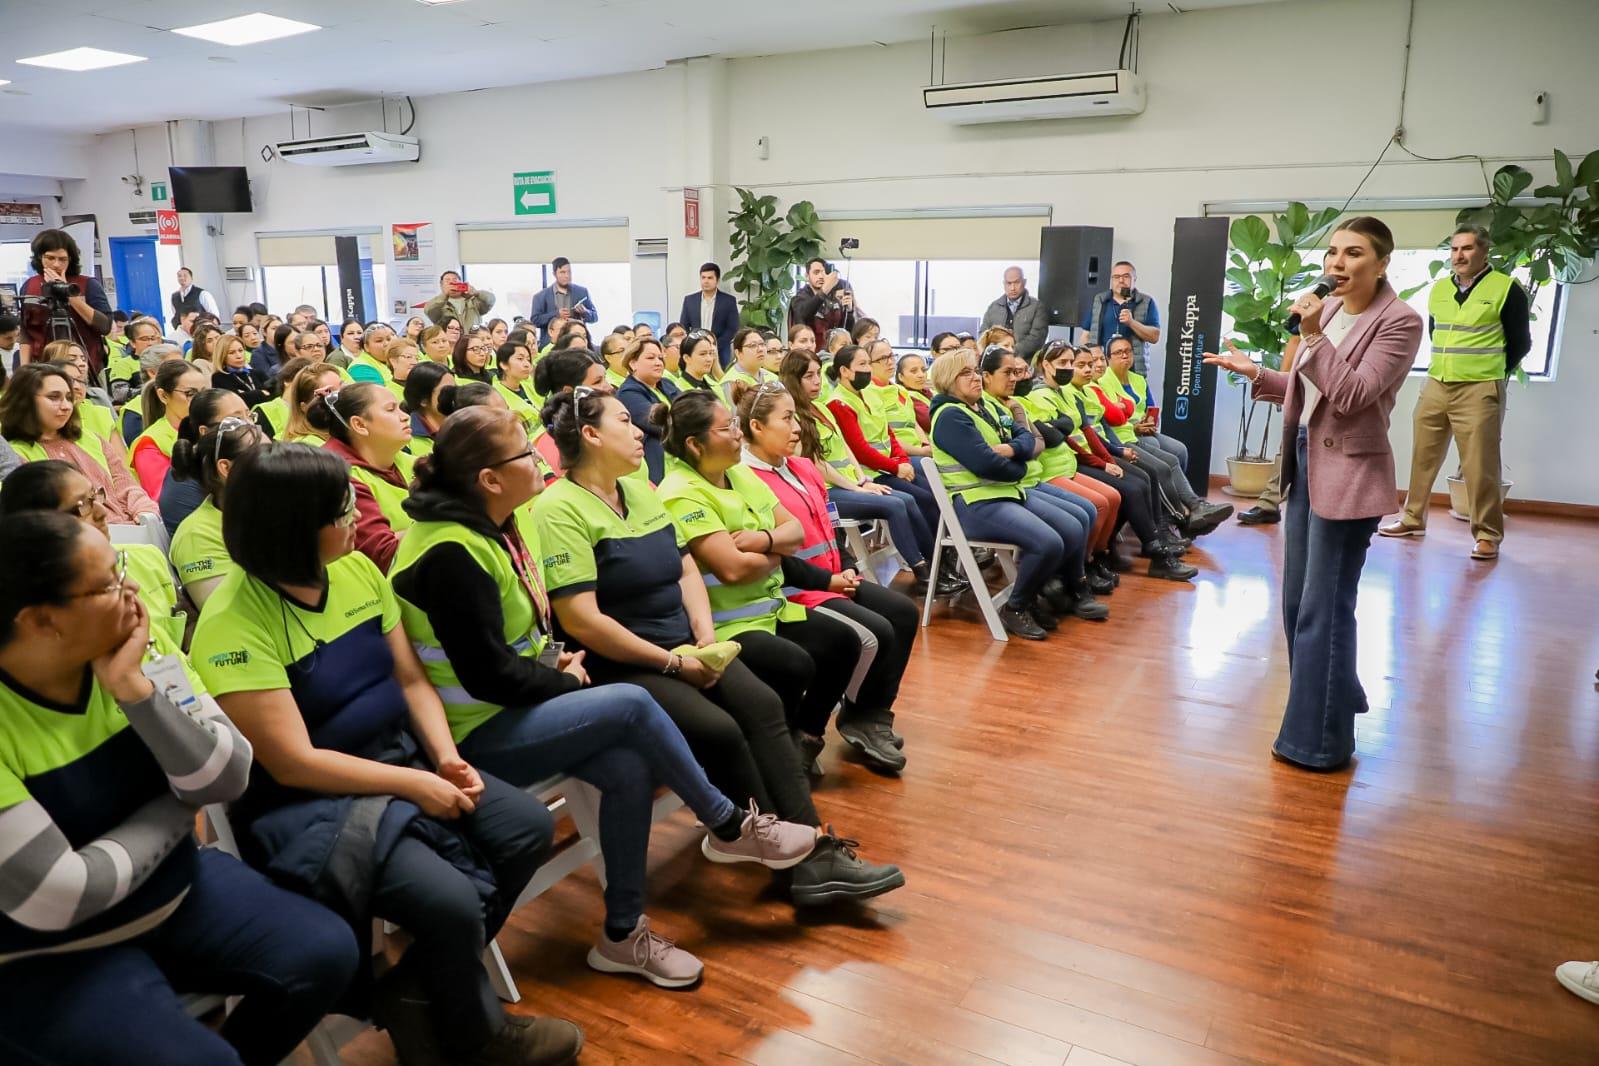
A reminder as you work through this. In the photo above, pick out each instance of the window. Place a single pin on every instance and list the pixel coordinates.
(514, 285)
(14, 268)
(286, 287)
(1408, 268)
(912, 299)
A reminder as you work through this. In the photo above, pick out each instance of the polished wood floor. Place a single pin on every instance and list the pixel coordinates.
(1104, 866)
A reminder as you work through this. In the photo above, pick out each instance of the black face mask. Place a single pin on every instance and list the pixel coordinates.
(1024, 386)
(860, 379)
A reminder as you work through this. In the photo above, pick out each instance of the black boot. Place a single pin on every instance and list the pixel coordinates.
(1170, 567)
(921, 573)
(1018, 621)
(1084, 605)
(1054, 596)
(950, 580)
(1099, 584)
(834, 872)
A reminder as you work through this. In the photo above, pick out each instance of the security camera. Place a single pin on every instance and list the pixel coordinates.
(132, 179)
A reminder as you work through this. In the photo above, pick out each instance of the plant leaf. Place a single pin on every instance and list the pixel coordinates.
(1249, 235)
(1510, 181)
(1563, 174)
(1588, 169)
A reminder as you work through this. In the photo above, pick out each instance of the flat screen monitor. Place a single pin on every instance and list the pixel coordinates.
(210, 189)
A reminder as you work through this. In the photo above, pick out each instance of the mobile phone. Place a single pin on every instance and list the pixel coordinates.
(459, 287)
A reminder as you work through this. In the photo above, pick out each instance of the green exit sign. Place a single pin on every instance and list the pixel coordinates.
(534, 192)
(158, 191)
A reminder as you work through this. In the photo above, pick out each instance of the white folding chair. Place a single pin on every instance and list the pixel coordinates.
(950, 535)
(877, 559)
(149, 530)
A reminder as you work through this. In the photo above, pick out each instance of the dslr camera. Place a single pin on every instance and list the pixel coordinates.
(59, 292)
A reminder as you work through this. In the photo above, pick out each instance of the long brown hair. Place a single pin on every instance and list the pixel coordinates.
(794, 366)
(298, 395)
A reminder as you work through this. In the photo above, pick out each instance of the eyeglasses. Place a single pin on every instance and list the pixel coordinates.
(512, 459)
(885, 358)
(347, 516)
(84, 506)
(187, 394)
(120, 578)
(946, 349)
(480, 349)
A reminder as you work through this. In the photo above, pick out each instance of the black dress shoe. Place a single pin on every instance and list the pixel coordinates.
(1019, 622)
(1260, 516)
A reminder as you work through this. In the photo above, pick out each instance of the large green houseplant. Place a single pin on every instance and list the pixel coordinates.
(1265, 276)
(767, 247)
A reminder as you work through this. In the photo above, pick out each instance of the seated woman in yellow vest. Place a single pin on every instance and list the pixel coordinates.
(367, 429)
(1122, 382)
(515, 383)
(473, 604)
(740, 535)
(165, 403)
(421, 404)
(313, 382)
(645, 387)
(198, 552)
(672, 357)
(373, 362)
(94, 406)
(40, 420)
(273, 415)
(776, 348)
(436, 344)
(895, 400)
(625, 591)
(180, 496)
(51, 485)
(473, 356)
(403, 357)
(749, 352)
(613, 346)
(561, 372)
(911, 376)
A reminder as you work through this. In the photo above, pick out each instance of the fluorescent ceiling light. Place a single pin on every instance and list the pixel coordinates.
(82, 59)
(247, 29)
(436, 3)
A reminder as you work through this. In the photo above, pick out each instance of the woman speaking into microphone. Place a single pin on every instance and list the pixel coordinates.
(1355, 348)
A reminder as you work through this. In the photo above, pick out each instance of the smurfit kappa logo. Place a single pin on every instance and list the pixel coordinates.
(1181, 412)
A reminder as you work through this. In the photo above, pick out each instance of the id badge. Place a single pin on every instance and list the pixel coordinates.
(166, 674)
(833, 515)
(551, 655)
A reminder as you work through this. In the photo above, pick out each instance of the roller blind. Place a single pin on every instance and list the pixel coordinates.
(1002, 237)
(1421, 228)
(311, 250)
(580, 244)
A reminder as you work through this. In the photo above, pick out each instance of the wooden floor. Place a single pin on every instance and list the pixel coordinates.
(1098, 879)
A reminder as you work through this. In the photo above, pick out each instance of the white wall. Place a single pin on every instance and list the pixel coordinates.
(1282, 101)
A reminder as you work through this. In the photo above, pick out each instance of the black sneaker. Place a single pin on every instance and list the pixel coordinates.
(1205, 516)
(1019, 622)
(1099, 584)
(834, 872)
(874, 743)
(524, 1041)
(1097, 567)
(1084, 606)
(1171, 568)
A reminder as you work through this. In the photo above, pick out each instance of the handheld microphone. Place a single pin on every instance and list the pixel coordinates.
(1324, 284)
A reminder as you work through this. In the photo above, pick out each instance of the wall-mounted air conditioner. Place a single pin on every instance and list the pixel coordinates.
(350, 150)
(1113, 92)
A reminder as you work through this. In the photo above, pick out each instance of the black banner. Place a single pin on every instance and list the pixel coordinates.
(1193, 324)
(351, 302)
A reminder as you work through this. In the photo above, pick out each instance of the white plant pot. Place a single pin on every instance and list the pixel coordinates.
(1460, 503)
(1248, 477)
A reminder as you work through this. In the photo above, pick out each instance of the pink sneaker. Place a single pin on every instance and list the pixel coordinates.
(774, 844)
(650, 955)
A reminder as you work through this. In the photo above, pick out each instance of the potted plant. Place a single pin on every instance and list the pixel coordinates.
(768, 247)
(1265, 277)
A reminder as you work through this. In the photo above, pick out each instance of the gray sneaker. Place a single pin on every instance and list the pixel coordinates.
(763, 839)
(648, 954)
(874, 742)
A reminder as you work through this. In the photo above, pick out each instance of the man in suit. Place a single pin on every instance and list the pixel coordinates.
(712, 309)
(561, 300)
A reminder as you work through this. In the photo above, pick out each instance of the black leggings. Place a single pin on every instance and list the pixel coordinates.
(807, 663)
(735, 729)
(1138, 508)
(893, 619)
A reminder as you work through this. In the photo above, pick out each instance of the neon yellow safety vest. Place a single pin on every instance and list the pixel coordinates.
(1468, 340)
(1001, 414)
(385, 375)
(835, 450)
(276, 413)
(874, 423)
(389, 496)
(1091, 404)
(1046, 404)
(1113, 387)
(33, 452)
(96, 420)
(521, 405)
(738, 373)
(614, 378)
(698, 507)
(517, 613)
(163, 435)
(899, 411)
(157, 590)
(961, 482)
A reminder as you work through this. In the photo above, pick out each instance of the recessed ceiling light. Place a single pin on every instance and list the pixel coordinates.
(82, 59)
(247, 29)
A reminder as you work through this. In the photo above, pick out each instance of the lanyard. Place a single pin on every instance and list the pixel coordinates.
(527, 572)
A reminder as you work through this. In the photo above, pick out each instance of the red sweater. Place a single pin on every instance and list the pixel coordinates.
(374, 537)
(1118, 408)
(850, 426)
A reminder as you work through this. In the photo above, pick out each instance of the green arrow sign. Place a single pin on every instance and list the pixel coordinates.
(534, 192)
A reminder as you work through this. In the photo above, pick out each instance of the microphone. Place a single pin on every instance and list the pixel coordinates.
(1324, 284)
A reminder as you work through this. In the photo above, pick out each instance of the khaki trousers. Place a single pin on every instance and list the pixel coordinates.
(1472, 412)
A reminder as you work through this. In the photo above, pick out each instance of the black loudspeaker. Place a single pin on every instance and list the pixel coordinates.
(1073, 265)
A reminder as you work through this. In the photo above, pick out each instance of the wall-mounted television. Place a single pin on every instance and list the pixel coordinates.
(210, 189)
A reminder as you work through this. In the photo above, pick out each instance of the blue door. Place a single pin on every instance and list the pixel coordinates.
(138, 277)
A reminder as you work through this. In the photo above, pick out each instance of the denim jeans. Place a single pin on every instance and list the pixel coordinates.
(1322, 559)
(1043, 552)
(1079, 511)
(618, 739)
(906, 526)
(917, 489)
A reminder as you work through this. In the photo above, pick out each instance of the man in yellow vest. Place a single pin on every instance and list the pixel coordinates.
(1479, 323)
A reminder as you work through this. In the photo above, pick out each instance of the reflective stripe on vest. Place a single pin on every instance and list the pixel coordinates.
(821, 547)
(835, 452)
(1468, 340)
(961, 482)
(873, 423)
(760, 608)
(1035, 467)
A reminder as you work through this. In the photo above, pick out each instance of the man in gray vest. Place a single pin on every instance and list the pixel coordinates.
(190, 297)
(1125, 312)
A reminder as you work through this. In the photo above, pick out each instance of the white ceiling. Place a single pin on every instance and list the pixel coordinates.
(398, 47)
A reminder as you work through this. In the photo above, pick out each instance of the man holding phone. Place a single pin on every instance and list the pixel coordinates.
(458, 300)
(561, 300)
(824, 302)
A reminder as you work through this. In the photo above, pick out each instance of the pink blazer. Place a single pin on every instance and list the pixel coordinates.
(1349, 463)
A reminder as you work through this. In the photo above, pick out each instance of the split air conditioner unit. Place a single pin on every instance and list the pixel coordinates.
(350, 150)
(1113, 92)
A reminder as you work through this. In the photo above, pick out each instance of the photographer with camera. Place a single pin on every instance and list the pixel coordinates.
(60, 304)
(824, 302)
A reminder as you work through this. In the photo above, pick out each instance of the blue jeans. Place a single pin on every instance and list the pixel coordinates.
(906, 526)
(1043, 552)
(1322, 560)
(618, 739)
(1080, 512)
(918, 490)
(234, 933)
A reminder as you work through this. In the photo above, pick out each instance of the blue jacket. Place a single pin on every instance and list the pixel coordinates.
(961, 439)
(544, 310)
(265, 362)
(638, 400)
(723, 323)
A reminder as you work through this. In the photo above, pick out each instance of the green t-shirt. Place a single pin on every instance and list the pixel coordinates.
(197, 547)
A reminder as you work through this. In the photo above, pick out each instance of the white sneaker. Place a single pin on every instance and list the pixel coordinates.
(1580, 978)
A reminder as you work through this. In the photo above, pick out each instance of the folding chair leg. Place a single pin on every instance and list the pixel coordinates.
(987, 602)
(932, 586)
(583, 805)
(500, 974)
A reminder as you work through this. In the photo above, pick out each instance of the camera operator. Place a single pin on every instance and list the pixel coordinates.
(824, 302)
(59, 303)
